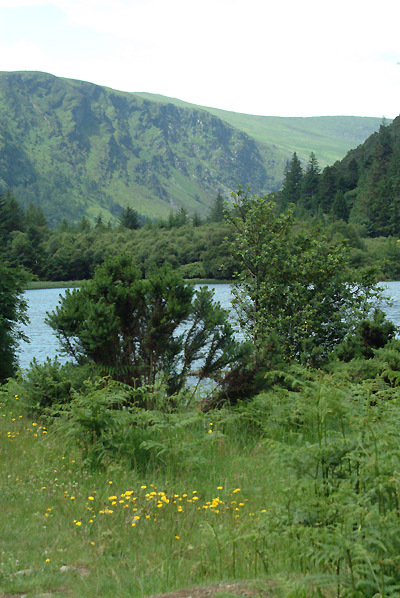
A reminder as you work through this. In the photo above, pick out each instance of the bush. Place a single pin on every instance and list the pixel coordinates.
(143, 331)
(44, 386)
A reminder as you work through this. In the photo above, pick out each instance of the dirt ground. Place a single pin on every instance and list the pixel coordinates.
(222, 590)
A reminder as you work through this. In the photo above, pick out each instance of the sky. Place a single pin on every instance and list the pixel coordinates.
(267, 57)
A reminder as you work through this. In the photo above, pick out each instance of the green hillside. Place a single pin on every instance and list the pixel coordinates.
(76, 148)
(329, 137)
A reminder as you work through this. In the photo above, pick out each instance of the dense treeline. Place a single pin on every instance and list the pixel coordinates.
(198, 248)
(73, 252)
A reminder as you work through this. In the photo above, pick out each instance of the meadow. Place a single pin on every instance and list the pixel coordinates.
(293, 493)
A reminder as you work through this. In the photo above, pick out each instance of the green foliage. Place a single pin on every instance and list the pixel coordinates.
(132, 327)
(368, 335)
(310, 182)
(130, 219)
(11, 219)
(292, 182)
(51, 384)
(339, 514)
(295, 285)
(12, 314)
(217, 212)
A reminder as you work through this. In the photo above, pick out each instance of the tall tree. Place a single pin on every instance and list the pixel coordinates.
(328, 185)
(11, 218)
(295, 286)
(130, 219)
(309, 189)
(217, 212)
(292, 182)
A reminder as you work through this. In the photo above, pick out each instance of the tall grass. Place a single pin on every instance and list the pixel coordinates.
(184, 518)
(298, 487)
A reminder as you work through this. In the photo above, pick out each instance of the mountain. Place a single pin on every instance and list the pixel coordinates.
(329, 137)
(76, 148)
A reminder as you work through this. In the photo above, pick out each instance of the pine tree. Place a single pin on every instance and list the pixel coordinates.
(130, 219)
(217, 212)
(340, 209)
(309, 190)
(328, 184)
(292, 183)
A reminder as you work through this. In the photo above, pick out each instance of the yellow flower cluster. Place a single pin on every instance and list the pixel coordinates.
(149, 502)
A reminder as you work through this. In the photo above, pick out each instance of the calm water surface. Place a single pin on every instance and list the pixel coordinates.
(44, 343)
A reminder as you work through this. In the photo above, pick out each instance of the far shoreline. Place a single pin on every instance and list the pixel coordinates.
(68, 284)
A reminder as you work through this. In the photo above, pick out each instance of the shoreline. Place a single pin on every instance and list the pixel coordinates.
(66, 284)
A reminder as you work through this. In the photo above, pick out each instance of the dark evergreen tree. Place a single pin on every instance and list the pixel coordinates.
(217, 212)
(377, 191)
(36, 231)
(196, 220)
(292, 182)
(84, 225)
(11, 218)
(99, 223)
(328, 185)
(351, 175)
(128, 325)
(130, 219)
(309, 189)
(340, 208)
(181, 217)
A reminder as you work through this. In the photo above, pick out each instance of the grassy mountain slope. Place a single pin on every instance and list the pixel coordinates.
(329, 137)
(76, 148)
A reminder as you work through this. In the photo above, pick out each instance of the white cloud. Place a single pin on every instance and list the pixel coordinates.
(22, 52)
(285, 57)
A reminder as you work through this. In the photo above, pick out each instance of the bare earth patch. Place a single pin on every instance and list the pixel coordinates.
(222, 590)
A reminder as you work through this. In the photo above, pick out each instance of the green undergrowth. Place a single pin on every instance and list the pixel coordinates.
(297, 487)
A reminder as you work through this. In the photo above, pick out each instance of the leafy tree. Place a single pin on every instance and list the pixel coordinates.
(132, 327)
(294, 286)
(12, 314)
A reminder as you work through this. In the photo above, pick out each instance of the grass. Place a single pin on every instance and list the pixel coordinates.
(329, 137)
(69, 530)
(52, 284)
(294, 494)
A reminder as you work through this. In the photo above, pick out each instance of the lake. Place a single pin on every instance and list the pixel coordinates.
(44, 343)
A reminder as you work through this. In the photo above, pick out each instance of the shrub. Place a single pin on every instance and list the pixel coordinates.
(44, 386)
